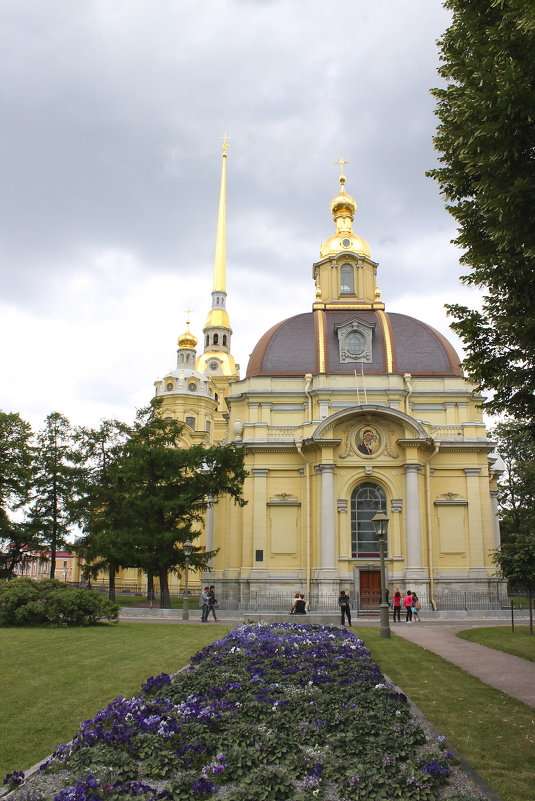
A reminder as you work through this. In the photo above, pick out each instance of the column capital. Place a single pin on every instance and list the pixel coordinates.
(494, 493)
(413, 468)
(472, 471)
(261, 472)
(324, 468)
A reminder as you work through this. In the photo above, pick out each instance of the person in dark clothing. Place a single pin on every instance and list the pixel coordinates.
(345, 607)
(212, 603)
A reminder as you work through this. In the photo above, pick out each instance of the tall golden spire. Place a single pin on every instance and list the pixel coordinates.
(217, 358)
(220, 245)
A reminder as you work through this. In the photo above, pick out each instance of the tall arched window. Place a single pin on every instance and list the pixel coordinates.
(207, 340)
(224, 339)
(347, 280)
(216, 339)
(367, 499)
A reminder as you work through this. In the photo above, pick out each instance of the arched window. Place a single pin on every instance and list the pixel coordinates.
(366, 500)
(224, 339)
(347, 280)
(180, 357)
(207, 340)
(190, 421)
(216, 339)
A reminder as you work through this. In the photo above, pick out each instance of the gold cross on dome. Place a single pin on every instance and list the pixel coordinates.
(225, 143)
(341, 162)
(188, 312)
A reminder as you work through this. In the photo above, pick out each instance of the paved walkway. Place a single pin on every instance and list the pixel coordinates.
(510, 674)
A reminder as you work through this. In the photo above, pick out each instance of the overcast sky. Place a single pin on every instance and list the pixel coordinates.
(113, 113)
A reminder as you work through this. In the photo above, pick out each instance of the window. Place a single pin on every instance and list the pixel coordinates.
(367, 499)
(207, 340)
(347, 280)
(208, 426)
(216, 339)
(180, 357)
(190, 421)
(224, 339)
(169, 387)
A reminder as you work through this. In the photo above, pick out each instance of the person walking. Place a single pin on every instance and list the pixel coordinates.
(345, 607)
(416, 606)
(212, 603)
(407, 603)
(397, 606)
(204, 603)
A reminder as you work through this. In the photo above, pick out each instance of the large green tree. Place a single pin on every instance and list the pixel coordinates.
(486, 142)
(168, 492)
(54, 482)
(151, 496)
(101, 502)
(15, 476)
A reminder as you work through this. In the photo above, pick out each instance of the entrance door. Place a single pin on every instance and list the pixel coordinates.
(370, 589)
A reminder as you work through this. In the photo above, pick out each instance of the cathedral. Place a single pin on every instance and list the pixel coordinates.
(345, 410)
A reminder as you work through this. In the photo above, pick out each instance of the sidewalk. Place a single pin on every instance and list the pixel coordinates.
(510, 674)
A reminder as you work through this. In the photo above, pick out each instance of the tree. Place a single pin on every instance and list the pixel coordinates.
(15, 474)
(486, 138)
(516, 486)
(53, 485)
(516, 556)
(100, 504)
(166, 493)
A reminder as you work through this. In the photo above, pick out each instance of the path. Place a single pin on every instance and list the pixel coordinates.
(510, 674)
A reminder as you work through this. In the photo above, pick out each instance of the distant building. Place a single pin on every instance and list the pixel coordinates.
(345, 410)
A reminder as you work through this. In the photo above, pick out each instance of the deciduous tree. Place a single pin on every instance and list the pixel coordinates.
(15, 476)
(486, 141)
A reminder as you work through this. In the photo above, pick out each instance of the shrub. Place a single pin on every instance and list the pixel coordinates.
(24, 602)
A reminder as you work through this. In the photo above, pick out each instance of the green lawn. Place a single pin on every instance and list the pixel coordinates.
(52, 679)
(494, 732)
(521, 643)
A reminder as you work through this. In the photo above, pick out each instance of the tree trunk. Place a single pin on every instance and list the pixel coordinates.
(111, 583)
(165, 600)
(150, 586)
(530, 596)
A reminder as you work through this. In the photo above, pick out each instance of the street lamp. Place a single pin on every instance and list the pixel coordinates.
(187, 547)
(380, 523)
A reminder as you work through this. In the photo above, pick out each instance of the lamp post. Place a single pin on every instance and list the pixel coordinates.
(187, 547)
(380, 523)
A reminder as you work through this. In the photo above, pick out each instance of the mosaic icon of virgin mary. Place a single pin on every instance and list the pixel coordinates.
(368, 440)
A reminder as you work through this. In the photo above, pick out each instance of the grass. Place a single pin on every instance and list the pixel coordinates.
(52, 679)
(494, 732)
(521, 643)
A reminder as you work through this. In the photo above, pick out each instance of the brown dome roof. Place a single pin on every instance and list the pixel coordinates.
(292, 346)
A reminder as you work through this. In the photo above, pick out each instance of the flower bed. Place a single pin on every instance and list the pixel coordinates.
(286, 711)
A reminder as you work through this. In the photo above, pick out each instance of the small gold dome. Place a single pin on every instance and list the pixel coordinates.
(187, 339)
(343, 207)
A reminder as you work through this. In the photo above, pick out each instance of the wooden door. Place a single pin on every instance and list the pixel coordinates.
(370, 589)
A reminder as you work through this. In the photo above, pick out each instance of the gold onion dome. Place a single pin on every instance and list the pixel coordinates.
(343, 207)
(187, 339)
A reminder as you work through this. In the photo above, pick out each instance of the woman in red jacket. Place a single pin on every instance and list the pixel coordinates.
(397, 606)
(407, 603)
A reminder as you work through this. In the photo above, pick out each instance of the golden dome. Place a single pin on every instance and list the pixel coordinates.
(217, 318)
(187, 339)
(343, 207)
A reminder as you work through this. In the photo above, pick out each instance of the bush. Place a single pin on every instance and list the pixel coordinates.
(24, 602)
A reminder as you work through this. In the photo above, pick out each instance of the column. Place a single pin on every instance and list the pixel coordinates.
(259, 518)
(496, 519)
(327, 515)
(475, 528)
(412, 518)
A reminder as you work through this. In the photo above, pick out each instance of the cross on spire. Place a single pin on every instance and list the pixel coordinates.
(225, 143)
(341, 162)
